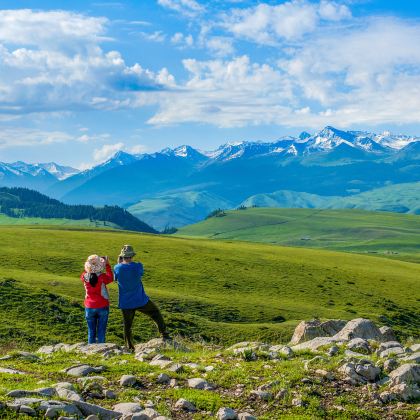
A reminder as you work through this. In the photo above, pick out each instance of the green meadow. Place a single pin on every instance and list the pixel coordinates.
(220, 291)
(385, 234)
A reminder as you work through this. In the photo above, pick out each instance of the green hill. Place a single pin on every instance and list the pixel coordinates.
(30, 207)
(221, 291)
(386, 234)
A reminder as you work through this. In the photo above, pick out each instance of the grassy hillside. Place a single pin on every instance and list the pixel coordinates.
(399, 198)
(178, 209)
(221, 291)
(386, 234)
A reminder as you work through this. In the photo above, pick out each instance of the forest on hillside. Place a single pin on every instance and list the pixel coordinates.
(23, 202)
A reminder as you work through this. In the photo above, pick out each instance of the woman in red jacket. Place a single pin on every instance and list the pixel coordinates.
(97, 297)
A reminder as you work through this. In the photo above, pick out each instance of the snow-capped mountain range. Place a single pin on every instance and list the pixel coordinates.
(183, 183)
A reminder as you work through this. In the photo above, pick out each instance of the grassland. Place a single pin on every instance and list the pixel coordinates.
(219, 290)
(386, 234)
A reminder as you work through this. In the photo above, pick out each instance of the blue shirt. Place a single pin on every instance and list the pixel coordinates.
(131, 292)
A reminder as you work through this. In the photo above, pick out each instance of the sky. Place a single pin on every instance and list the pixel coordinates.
(81, 80)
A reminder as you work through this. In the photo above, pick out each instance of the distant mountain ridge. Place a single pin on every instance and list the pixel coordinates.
(177, 185)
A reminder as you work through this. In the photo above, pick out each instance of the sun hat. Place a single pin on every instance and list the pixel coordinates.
(127, 251)
(95, 264)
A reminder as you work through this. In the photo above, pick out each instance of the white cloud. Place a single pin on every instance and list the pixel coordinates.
(106, 151)
(188, 8)
(182, 40)
(138, 149)
(24, 137)
(157, 36)
(53, 61)
(291, 20)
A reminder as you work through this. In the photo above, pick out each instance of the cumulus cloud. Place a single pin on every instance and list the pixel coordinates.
(188, 8)
(53, 61)
(23, 137)
(266, 24)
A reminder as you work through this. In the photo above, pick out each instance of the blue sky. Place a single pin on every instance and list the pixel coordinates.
(80, 80)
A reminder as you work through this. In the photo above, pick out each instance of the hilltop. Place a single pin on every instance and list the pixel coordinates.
(380, 233)
(31, 207)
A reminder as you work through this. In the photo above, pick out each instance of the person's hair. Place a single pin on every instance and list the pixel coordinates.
(127, 258)
(93, 279)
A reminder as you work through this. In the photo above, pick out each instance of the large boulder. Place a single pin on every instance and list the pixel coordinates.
(308, 330)
(408, 373)
(103, 413)
(388, 334)
(315, 343)
(158, 344)
(359, 328)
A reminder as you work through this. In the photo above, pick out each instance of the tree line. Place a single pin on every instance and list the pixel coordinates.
(23, 202)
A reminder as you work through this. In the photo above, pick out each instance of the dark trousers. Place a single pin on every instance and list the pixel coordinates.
(151, 310)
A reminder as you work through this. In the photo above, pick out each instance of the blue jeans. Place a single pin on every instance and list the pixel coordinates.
(97, 320)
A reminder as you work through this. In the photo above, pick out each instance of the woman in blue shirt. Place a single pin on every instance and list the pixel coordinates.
(132, 296)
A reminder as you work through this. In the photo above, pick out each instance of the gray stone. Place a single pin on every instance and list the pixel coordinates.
(183, 404)
(127, 408)
(109, 394)
(388, 333)
(226, 413)
(390, 365)
(282, 394)
(158, 344)
(11, 371)
(297, 402)
(315, 343)
(369, 372)
(332, 351)
(408, 373)
(393, 351)
(406, 391)
(246, 416)
(27, 401)
(359, 328)
(52, 408)
(360, 372)
(128, 380)
(104, 414)
(307, 330)
(161, 361)
(29, 411)
(350, 354)
(282, 350)
(262, 395)
(163, 378)
(388, 345)
(82, 370)
(414, 357)
(199, 383)
(68, 394)
(146, 414)
(415, 347)
(176, 367)
(359, 345)
(92, 417)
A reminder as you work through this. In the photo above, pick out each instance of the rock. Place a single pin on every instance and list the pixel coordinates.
(359, 345)
(199, 383)
(387, 396)
(226, 413)
(92, 417)
(332, 351)
(128, 380)
(254, 345)
(209, 368)
(261, 395)
(388, 345)
(359, 328)
(20, 393)
(393, 351)
(352, 354)
(281, 349)
(307, 330)
(415, 347)
(173, 383)
(82, 370)
(66, 385)
(246, 416)
(408, 373)
(29, 411)
(160, 360)
(146, 414)
(22, 355)
(360, 372)
(104, 349)
(387, 334)
(315, 343)
(297, 402)
(390, 365)
(46, 392)
(104, 414)
(406, 391)
(163, 378)
(53, 408)
(27, 401)
(192, 365)
(325, 374)
(176, 367)
(183, 404)
(11, 371)
(109, 394)
(414, 357)
(158, 344)
(127, 408)
(68, 394)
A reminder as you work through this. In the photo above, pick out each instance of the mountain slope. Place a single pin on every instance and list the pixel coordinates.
(386, 234)
(24, 203)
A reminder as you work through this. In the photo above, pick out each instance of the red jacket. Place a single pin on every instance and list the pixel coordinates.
(97, 297)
